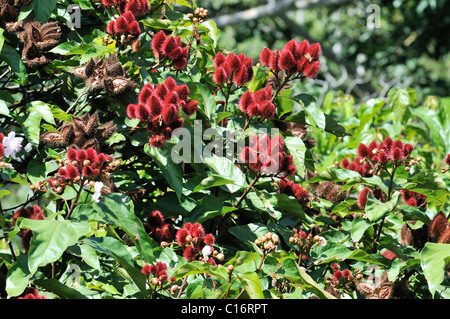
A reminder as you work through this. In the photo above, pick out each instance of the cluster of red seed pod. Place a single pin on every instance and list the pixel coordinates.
(192, 239)
(341, 276)
(413, 199)
(83, 164)
(265, 156)
(158, 229)
(80, 167)
(374, 157)
(126, 25)
(170, 48)
(386, 151)
(290, 188)
(294, 58)
(158, 108)
(136, 7)
(158, 273)
(237, 69)
(258, 103)
(31, 293)
(34, 213)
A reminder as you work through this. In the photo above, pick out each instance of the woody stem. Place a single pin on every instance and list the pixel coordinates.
(247, 190)
(75, 200)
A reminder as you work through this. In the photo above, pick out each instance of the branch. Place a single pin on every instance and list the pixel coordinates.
(271, 9)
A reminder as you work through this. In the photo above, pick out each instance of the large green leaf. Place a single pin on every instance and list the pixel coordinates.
(399, 99)
(14, 60)
(242, 257)
(227, 169)
(51, 238)
(18, 276)
(118, 209)
(433, 259)
(59, 289)
(376, 210)
(118, 251)
(43, 9)
(335, 175)
(169, 169)
(359, 226)
(297, 149)
(199, 267)
(251, 284)
(430, 184)
(299, 276)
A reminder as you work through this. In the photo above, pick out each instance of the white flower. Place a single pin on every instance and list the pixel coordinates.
(97, 191)
(206, 251)
(12, 145)
(322, 241)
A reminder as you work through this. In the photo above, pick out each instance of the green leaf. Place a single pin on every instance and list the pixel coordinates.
(198, 267)
(297, 149)
(4, 98)
(376, 210)
(242, 257)
(59, 289)
(212, 30)
(297, 275)
(118, 251)
(251, 284)
(334, 175)
(14, 60)
(51, 238)
(182, 2)
(169, 169)
(43, 9)
(430, 184)
(431, 120)
(207, 103)
(18, 276)
(36, 171)
(212, 181)
(31, 127)
(248, 233)
(208, 207)
(399, 100)
(65, 48)
(290, 205)
(315, 116)
(433, 259)
(226, 168)
(44, 110)
(284, 103)
(359, 226)
(118, 209)
(2, 39)
(331, 126)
